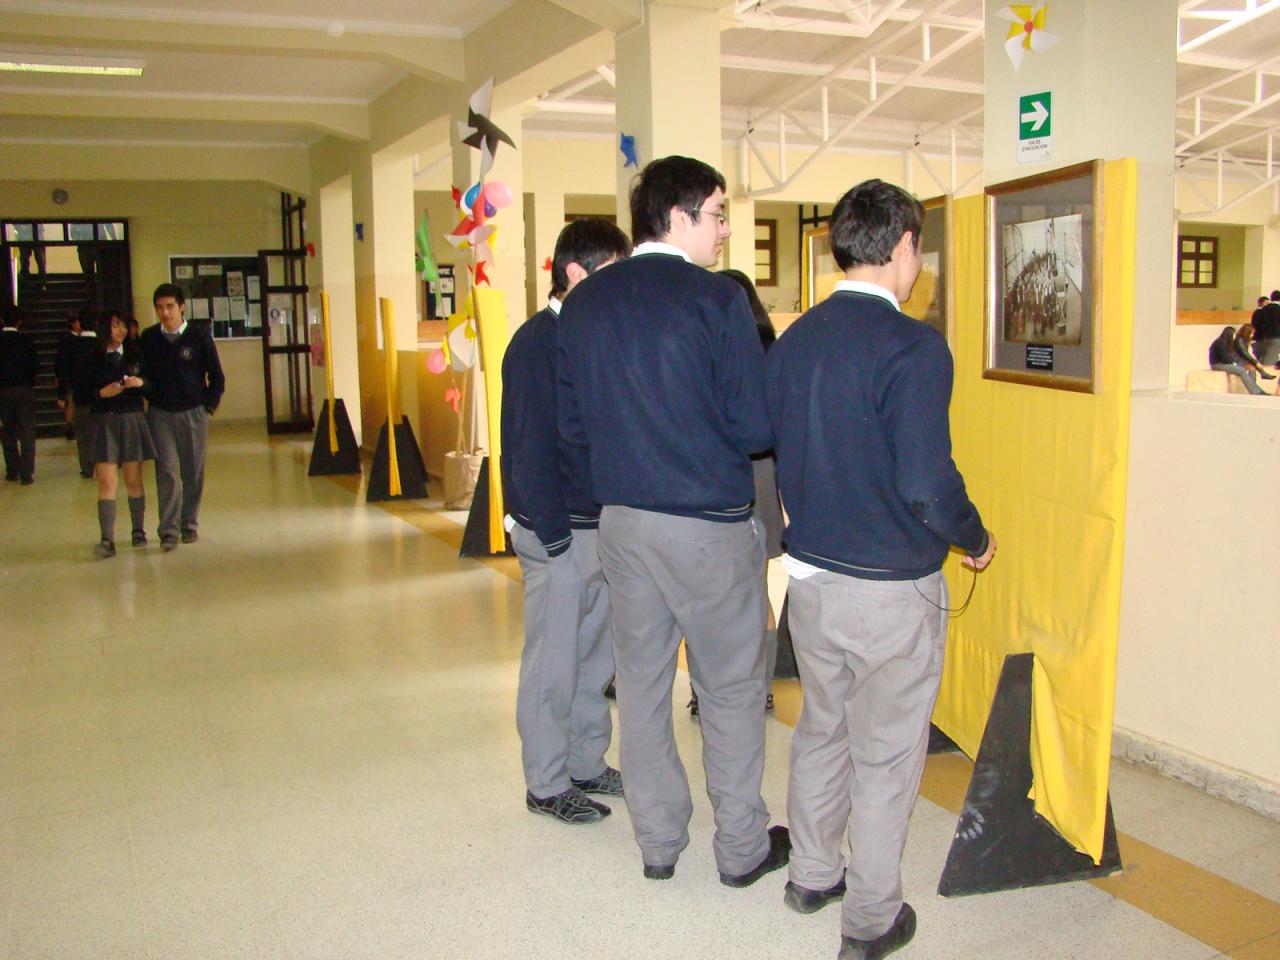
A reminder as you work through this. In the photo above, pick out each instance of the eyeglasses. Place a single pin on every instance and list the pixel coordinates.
(718, 214)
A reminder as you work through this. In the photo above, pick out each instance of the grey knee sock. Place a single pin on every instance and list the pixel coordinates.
(107, 519)
(138, 512)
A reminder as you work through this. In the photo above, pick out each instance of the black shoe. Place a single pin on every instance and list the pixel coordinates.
(895, 938)
(28, 481)
(168, 543)
(71, 433)
(139, 538)
(87, 474)
(190, 536)
(572, 806)
(611, 691)
(803, 900)
(778, 855)
(104, 549)
(11, 477)
(659, 871)
(693, 707)
(608, 783)
(768, 703)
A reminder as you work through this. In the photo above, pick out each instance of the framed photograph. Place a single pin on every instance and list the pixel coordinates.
(931, 297)
(1044, 279)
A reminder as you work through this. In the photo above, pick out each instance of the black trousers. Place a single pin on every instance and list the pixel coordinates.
(18, 425)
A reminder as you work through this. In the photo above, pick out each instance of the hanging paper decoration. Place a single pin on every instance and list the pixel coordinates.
(424, 260)
(453, 397)
(1026, 31)
(546, 264)
(460, 341)
(436, 362)
(627, 144)
(479, 131)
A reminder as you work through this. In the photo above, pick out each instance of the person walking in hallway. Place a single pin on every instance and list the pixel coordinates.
(858, 397)
(561, 711)
(661, 379)
(184, 386)
(121, 439)
(19, 365)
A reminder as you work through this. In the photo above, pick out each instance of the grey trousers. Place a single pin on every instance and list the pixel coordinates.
(180, 440)
(671, 576)
(561, 711)
(870, 656)
(82, 423)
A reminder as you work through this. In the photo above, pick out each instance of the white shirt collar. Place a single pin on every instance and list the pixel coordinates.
(89, 333)
(874, 289)
(553, 304)
(177, 333)
(657, 246)
(119, 349)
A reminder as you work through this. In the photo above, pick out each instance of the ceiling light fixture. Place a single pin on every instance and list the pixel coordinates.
(94, 66)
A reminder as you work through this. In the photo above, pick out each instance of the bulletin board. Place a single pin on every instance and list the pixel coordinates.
(225, 291)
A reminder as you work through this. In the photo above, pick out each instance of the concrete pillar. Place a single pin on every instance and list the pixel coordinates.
(338, 266)
(740, 252)
(548, 221)
(1104, 106)
(668, 89)
(394, 275)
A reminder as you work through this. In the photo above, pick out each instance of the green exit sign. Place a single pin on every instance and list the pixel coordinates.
(1035, 127)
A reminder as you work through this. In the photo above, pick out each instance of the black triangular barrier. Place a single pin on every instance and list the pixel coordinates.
(475, 538)
(1001, 843)
(413, 472)
(785, 667)
(939, 742)
(325, 463)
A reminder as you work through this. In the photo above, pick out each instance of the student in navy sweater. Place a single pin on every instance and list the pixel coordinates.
(858, 396)
(561, 710)
(184, 386)
(661, 378)
(19, 365)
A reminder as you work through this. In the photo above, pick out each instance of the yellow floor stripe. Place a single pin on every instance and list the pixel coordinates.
(1234, 920)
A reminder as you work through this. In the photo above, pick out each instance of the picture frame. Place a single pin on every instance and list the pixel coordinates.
(932, 299)
(1044, 277)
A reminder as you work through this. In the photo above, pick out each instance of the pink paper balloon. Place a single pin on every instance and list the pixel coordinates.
(436, 362)
(497, 193)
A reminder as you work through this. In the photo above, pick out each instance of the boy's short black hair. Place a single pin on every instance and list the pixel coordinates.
(588, 242)
(169, 290)
(670, 182)
(1275, 294)
(868, 222)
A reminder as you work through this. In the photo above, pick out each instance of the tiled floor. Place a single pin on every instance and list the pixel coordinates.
(295, 739)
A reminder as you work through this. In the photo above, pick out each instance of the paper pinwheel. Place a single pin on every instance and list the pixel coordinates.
(1026, 31)
(479, 131)
(459, 344)
(425, 259)
(627, 144)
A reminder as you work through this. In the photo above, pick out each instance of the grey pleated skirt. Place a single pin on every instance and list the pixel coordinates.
(122, 438)
(768, 510)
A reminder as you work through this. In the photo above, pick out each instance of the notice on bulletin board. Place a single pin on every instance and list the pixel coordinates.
(224, 291)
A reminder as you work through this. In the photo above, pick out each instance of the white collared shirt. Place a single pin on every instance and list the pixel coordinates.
(798, 568)
(554, 305)
(176, 333)
(657, 246)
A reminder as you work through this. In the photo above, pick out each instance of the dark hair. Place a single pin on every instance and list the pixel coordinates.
(1261, 301)
(13, 315)
(102, 327)
(169, 290)
(588, 242)
(1245, 330)
(764, 326)
(868, 222)
(666, 183)
(1275, 294)
(88, 317)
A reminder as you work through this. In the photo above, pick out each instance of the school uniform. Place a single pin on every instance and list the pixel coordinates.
(858, 396)
(567, 662)
(19, 365)
(661, 378)
(119, 432)
(184, 386)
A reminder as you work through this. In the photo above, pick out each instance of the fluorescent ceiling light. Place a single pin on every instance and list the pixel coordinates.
(96, 66)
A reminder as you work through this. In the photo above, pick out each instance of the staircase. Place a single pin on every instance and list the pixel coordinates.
(48, 303)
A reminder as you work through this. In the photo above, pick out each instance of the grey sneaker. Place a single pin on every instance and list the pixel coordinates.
(168, 543)
(572, 806)
(608, 783)
(104, 549)
(190, 536)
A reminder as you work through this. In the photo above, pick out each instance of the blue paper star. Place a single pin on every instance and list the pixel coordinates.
(627, 144)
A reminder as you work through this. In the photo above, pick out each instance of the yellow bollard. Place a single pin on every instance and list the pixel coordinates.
(328, 371)
(393, 391)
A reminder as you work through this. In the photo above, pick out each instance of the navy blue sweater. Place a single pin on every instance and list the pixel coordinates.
(183, 374)
(103, 367)
(544, 478)
(19, 362)
(858, 397)
(661, 377)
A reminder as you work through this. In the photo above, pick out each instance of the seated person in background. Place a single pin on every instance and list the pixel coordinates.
(1231, 353)
(1266, 327)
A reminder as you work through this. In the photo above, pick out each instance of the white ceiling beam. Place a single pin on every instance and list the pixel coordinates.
(752, 20)
(1223, 124)
(1231, 21)
(799, 68)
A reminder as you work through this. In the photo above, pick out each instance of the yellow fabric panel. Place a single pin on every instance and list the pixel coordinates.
(1048, 470)
(491, 322)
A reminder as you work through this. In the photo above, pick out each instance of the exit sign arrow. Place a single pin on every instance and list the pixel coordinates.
(1036, 117)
